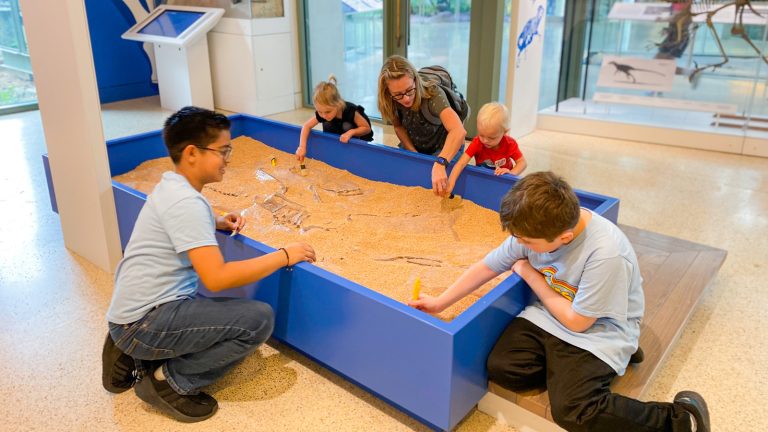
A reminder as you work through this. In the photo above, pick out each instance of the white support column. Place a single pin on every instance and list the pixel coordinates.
(526, 46)
(62, 62)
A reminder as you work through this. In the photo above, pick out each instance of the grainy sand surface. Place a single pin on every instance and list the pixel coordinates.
(377, 234)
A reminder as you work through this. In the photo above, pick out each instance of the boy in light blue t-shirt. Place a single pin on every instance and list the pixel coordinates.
(163, 339)
(584, 324)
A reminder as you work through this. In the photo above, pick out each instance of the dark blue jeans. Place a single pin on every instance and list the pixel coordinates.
(198, 339)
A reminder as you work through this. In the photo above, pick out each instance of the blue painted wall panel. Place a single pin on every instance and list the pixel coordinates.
(122, 67)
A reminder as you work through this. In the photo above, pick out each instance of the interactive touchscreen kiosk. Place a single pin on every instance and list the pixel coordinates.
(178, 34)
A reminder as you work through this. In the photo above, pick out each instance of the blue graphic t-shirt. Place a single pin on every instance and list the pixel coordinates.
(598, 272)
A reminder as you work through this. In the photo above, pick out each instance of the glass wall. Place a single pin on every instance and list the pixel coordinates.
(345, 39)
(17, 87)
(661, 64)
(439, 34)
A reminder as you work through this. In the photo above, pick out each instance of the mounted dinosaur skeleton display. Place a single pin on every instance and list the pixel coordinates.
(682, 26)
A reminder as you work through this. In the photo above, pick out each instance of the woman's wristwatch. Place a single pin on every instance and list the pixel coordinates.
(442, 161)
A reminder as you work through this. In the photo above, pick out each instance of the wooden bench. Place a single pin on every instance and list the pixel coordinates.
(675, 274)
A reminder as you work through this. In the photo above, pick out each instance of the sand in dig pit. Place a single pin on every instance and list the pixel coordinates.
(377, 234)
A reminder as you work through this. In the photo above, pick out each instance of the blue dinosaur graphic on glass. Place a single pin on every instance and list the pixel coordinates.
(530, 30)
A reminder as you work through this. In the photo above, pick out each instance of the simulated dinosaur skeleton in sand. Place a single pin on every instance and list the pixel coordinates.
(379, 235)
(683, 19)
(290, 213)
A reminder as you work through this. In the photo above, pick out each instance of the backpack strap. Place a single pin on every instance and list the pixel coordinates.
(443, 81)
(427, 113)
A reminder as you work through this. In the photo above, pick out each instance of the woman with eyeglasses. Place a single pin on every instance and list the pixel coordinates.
(402, 92)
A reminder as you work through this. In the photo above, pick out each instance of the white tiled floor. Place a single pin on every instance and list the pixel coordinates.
(53, 302)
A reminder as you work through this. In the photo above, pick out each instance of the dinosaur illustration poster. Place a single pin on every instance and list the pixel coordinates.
(636, 73)
(531, 31)
(527, 24)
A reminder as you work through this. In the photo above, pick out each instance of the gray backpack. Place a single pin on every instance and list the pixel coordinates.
(442, 78)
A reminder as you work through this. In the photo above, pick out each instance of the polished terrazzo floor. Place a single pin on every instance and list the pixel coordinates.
(52, 302)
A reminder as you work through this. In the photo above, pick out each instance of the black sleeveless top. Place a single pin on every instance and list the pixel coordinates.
(347, 121)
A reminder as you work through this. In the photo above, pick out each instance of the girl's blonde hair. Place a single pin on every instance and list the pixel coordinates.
(327, 93)
(396, 67)
(493, 114)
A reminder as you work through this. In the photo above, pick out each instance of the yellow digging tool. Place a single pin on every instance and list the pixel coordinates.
(416, 288)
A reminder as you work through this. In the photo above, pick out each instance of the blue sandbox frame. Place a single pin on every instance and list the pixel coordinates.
(430, 369)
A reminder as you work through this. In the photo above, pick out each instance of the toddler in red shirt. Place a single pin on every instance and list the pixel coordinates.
(492, 148)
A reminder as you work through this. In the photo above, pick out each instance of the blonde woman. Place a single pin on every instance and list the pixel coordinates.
(337, 116)
(401, 95)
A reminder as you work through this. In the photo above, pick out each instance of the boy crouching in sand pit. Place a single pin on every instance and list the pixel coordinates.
(585, 323)
(160, 331)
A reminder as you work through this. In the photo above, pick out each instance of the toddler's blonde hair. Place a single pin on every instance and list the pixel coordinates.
(493, 114)
(327, 93)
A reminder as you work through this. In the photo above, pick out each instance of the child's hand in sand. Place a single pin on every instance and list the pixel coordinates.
(427, 304)
(301, 153)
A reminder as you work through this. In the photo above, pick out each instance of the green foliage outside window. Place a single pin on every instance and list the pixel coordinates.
(434, 7)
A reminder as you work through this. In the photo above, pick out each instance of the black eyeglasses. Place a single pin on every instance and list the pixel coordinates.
(410, 92)
(225, 151)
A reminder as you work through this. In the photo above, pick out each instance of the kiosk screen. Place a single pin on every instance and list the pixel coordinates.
(171, 23)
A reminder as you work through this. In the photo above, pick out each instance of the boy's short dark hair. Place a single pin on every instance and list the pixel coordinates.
(540, 206)
(192, 125)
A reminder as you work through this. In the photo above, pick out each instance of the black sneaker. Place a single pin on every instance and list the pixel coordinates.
(695, 405)
(185, 408)
(118, 370)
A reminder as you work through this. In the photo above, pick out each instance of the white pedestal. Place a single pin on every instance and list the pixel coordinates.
(252, 65)
(184, 75)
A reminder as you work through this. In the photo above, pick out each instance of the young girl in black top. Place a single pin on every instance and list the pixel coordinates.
(337, 116)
